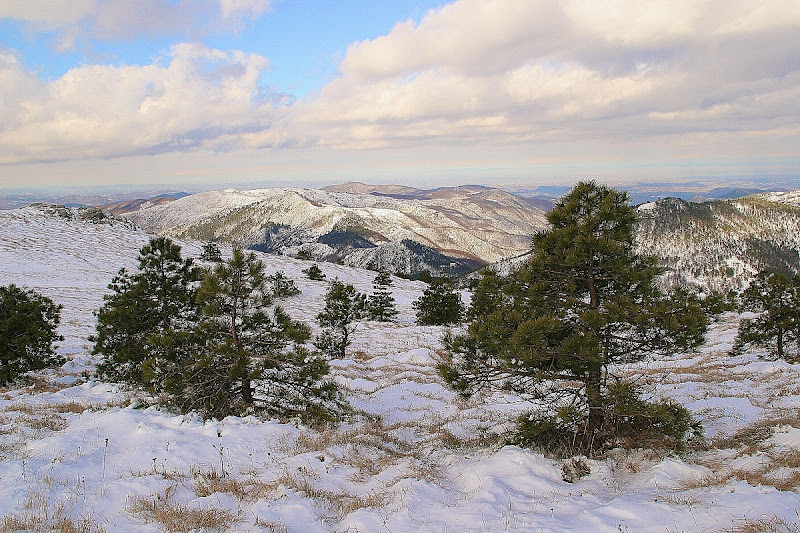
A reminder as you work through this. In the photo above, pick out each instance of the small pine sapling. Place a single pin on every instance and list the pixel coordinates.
(343, 307)
(381, 304)
(211, 252)
(314, 272)
(282, 286)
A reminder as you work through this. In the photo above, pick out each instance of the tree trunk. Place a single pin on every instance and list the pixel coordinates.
(594, 396)
(780, 343)
(247, 390)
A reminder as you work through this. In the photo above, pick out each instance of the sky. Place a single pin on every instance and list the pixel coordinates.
(424, 93)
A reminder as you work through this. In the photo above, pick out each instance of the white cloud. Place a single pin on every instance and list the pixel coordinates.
(236, 8)
(198, 97)
(47, 15)
(474, 73)
(522, 70)
(113, 20)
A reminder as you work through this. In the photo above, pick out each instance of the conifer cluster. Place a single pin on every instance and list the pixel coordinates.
(213, 340)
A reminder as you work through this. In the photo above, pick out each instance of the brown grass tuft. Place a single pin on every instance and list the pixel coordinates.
(250, 489)
(766, 524)
(40, 516)
(175, 517)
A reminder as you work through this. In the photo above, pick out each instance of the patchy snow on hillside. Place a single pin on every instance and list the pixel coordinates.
(489, 224)
(77, 449)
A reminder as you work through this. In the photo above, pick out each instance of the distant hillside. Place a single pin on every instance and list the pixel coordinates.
(363, 188)
(721, 243)
(128, 206)
(466, 225)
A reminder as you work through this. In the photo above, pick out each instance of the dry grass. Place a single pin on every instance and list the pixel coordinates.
(777, 468)
(40, 516)
(767, 524)
(272, 526)
(175, 517)
(337, 503)
(769, 477)
(752, 435)
(371, 448)
(250, 489)
(45, 421)
(205, 481)
(72, 406)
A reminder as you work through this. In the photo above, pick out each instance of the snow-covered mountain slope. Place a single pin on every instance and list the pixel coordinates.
(721, 243)
(476, 223)
(76, 452)
(786, 197)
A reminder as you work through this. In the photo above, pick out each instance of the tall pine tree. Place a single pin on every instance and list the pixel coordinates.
(157, 298)
(246, 355)
(555, 328)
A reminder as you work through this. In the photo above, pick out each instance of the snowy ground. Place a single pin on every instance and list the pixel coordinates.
(78, 452)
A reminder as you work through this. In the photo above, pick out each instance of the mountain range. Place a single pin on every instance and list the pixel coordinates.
(402, 229)
(453, 230)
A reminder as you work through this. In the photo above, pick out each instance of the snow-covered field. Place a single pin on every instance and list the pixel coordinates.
(78, 452)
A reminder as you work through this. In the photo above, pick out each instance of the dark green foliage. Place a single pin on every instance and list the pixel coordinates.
(222, 349)
(304, 255)
(439, 305)
(245, 356)
(425, 275)
(345, 239)
(314, 272)
(774, 256)
(211, 252)
(715, 303)
(775, 298)
(28, 323)
(627, 421)
(281, 286)
(584, 302)
(452, 266)
(343, 306)
(92, 214)
(381, 303)
(157, 298)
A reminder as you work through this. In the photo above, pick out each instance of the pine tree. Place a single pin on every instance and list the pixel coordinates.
(246, 355)
(583, 303)
(157, 298)
(314, 272)
(281, 286)
(343, 306)
(439, 305)
(381, 302)
(211, 252)
(235, 297)
(28, 323)
(775, 297)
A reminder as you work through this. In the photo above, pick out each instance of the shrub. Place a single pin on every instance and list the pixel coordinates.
(439, 305)
(28, 323)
